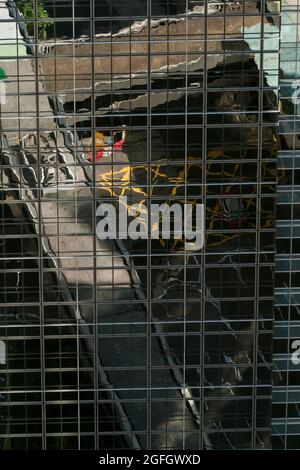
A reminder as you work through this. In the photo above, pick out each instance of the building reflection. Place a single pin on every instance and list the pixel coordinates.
(142, 344)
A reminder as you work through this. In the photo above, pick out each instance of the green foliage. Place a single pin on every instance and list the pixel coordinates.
(2, 74)
(26, 7)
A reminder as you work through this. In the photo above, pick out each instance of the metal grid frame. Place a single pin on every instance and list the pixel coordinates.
(141, 346)
(286, 398)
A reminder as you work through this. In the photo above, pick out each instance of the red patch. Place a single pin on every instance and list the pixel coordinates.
(237, 222)
(118, 146)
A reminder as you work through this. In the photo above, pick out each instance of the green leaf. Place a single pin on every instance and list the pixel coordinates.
(26, 7)
(2, 74)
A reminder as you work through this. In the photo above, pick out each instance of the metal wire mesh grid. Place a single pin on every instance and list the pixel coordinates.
(138, 344)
